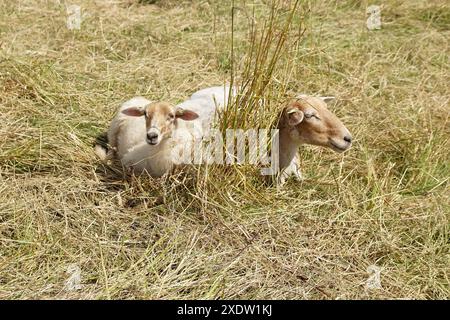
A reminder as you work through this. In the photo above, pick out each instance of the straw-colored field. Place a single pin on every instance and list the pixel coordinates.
(215, 232)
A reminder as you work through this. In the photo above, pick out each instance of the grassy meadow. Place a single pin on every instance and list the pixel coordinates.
(219, 232)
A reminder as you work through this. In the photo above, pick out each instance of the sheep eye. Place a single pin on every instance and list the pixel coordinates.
(171, 116)
(311, 115)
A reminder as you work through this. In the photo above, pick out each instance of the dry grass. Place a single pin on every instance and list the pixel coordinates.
(219, 232)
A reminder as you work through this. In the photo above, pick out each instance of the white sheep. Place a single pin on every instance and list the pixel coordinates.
(307, 120)
(304, 120)
(146, 135)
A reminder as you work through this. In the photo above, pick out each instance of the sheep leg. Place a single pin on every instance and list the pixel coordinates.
(292, 170)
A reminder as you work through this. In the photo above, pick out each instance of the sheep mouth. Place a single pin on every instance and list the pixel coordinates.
(152, 142)
(338, 148)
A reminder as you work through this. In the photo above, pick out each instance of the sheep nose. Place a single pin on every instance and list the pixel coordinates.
(152, 135)
(348, 139)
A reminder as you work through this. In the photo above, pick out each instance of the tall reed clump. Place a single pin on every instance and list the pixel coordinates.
(261, 73)
(260, 68)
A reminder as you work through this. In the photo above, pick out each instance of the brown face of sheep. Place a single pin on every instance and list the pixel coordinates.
(160, 119)
(312, 123)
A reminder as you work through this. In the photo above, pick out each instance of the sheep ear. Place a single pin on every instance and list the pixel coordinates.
(295, 116)
(186, 115)
(134, 111)
(328, 99)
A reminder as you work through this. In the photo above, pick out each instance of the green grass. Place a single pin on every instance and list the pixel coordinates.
(215, 232)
